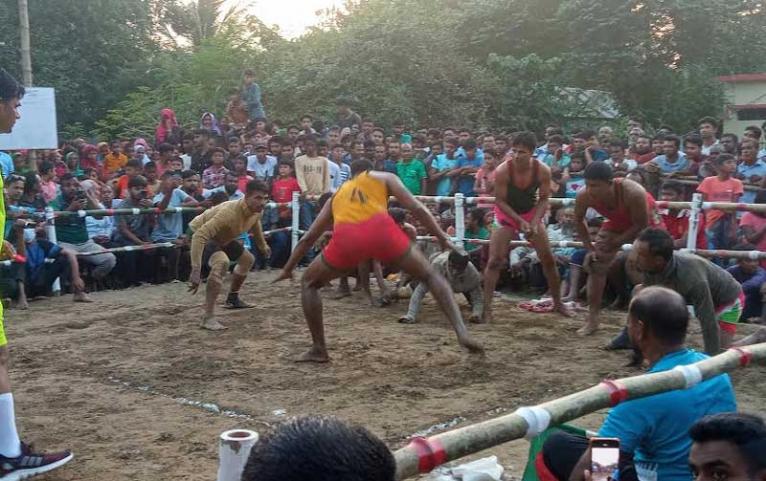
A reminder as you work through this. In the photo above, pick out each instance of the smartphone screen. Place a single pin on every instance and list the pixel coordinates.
(605, 456)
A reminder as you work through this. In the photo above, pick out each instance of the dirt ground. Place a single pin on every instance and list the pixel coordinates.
(128, 382)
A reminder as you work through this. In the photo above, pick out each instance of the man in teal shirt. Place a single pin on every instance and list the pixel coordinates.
(654, 430)
(411, 171)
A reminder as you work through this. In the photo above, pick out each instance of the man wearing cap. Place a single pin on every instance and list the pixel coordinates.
(261, 166)
(461, 275)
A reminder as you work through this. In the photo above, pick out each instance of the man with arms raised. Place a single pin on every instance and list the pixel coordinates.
(363, 230)
(522, 189)
(628, 210)
(17, 461)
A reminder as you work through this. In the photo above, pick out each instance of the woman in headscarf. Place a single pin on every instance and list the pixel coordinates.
(140, 147)
(72, 160)
(167, 130)
(209, 122)
(89, 157)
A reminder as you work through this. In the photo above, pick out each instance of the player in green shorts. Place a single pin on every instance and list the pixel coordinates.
(17, 461)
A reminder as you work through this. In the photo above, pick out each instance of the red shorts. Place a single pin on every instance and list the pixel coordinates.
(378, 238)
(503, 220)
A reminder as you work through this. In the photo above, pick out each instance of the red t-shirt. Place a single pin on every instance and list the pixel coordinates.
(678, 225)
(717, 190)
(242, 182)
(282, 191)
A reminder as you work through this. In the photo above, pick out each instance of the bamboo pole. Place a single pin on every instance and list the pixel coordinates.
(423, 454)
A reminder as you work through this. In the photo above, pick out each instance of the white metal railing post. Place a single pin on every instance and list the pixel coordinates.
(296, 221)
(459, 219)
(694, 222)
(50, 232)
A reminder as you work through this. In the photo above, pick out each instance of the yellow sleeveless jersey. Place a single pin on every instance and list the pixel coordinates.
(359, 199)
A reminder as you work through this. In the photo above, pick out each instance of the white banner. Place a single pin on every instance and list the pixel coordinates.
(36, 129)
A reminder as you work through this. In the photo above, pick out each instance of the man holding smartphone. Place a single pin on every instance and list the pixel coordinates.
(651, 433)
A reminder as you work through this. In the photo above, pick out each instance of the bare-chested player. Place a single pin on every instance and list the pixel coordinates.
(628, 210)
(522, 189)
(363, 230)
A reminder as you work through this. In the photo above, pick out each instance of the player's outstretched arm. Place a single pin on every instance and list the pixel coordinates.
(321, 224)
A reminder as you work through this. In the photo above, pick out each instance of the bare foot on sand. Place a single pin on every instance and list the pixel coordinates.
(757, 337)
(212, 325)
(81, 297)
(314, 355)
(471, 344)
(588, 329)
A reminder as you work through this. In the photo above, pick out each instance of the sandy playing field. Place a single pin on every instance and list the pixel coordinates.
(140, 393)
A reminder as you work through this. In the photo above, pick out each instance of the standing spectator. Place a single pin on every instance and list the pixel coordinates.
(345, 117)
(261, 166)
(313, 175)
(411, 171)
(468, 165)
(237, 111)
(708, 128)
(729, 143)
(251, 95)
(167, 131)
(114, 160)
(753, 225)
(485, 177)
(48, 186)
(672, 160)
(720, 226)
(642, 149)
(215, 175)
(240, 169)
(554, 156)
(750, 170)
(677, 220)
(209, 122)
(654, 430)
(443, 169)
(282, 191)
(201, 154)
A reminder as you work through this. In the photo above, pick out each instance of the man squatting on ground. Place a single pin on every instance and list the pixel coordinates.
(215, 242)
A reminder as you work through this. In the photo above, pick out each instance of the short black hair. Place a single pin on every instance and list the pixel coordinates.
(469, 144)
(46, 167)
(66, 176)
(525, 139)
(746, 431)
(188, 174)
(754, 129)
(556, 139)
(659, 240)
(256, 185)
(319, 448)
(732, 136)
(359, 166)
(721, 158)
(673, 138)
(708, 120)
(137, 181)
(674, 185)
(10, 88)
(599, 171)
(204, 132)
(165, 148)
(663, 313)
(398, 214)
(693, 139)
(135, 163)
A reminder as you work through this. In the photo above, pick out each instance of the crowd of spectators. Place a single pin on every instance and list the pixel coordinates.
(213, 161)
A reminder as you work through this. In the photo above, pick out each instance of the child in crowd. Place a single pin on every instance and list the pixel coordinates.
(48, 187)
(133, 168)
(282, 191)
(240, 168)
(554, 157)
(721, 226)
(485, 176)
(572, 178)
(215, 175)
(152, 179)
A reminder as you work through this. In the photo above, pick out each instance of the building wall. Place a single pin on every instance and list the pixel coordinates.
(742, 93)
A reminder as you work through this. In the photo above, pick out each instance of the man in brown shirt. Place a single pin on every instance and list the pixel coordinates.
(215, 240)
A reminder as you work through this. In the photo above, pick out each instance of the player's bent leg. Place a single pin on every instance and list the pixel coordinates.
(219, 265)
(244, 264)
(498, 258)
(545, 254)
(317, 275)
(415, 264)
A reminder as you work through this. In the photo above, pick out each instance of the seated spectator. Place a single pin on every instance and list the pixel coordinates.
(475, 228)
(728, 446)
(461, 275)
(100, 230)
(133, 168)
(215, 175)
(654, 430)
(672, 159)
(753, 278)
(134, 230)
(554, 156)
(40, 275)
(348, 453)
(576, 279)
(572, 179)
(753, 226)
(71, 232)
(721, 226)
(677, 220)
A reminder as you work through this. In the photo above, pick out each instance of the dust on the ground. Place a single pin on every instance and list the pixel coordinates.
(131, 384)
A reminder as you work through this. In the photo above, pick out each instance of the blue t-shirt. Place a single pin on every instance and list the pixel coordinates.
(37, 252)
(169, 226)
(758, 169)
(465, 182)
(682, 163)
(6, 164)
(656, 428)
(441, 163)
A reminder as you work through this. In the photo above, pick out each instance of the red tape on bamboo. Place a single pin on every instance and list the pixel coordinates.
(430, 453)
(617, 392)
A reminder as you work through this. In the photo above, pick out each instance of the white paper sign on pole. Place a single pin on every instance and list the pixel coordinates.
(36, 129)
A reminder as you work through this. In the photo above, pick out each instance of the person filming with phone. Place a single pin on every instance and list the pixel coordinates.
(648, 438)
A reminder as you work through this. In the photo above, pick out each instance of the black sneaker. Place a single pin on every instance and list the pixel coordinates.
(622, 341)
(234, 302)
(31, 464)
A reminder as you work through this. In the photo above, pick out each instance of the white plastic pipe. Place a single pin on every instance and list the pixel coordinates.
(50, 233)
(296, 206)
(459, 219)
(234, 448)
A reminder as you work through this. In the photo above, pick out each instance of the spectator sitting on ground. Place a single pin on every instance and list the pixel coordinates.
(728, 446)
(654, 430)
(319, 449)
(753, 279)
(40, 275)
